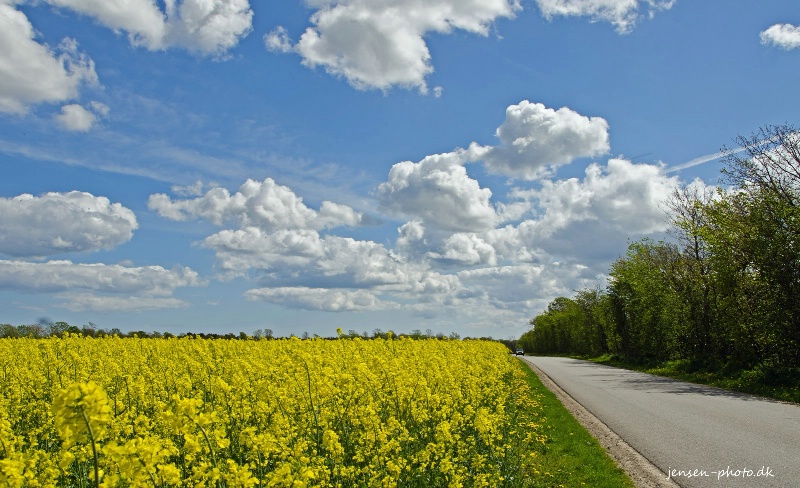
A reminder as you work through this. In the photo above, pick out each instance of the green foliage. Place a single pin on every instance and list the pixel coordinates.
(646, 306)
(569, 326)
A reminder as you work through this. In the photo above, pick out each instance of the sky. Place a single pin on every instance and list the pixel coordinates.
(302, 166)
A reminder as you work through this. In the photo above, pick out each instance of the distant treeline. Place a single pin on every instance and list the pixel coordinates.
(725, 294)
(51, 329)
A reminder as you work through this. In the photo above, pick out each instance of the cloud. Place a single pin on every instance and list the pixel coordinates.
(411, 238)
(100, 287)
(457, 256)
(80, 302)
(624, 195)
(76, 118)
(438, 192)
(534, 137)
(573, 219)
(142, 19)
(265, 205)
(207, 27)
(277, 41)
(624, 14)
(100, 109)
(523, 286)
(380, 45)
(62, 222)
(193, 190)
(468, 249)
(32, 73)
(329, 300)
(276, 239)
(785, 36)
(303, 256)
(66, 276)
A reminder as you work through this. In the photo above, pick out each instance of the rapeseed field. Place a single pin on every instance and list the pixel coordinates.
(179, 412)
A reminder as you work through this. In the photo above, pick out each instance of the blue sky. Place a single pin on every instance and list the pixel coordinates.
(453, 165)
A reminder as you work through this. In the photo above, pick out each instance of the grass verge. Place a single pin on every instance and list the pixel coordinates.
(571, 457)
(760, 381)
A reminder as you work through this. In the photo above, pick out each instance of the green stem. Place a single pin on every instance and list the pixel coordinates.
(94, 450)
(6, 452)
(208, 441)
(152, 478)
(318, 434)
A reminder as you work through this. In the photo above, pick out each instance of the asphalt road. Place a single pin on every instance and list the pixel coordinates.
(699, 436)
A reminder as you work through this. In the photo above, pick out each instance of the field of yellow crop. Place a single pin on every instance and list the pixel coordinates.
(83, 412)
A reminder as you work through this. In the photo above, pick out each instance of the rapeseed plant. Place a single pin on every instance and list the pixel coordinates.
(185, 412)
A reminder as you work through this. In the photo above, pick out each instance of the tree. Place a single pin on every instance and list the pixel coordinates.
(688, 208)
(58, 328)
(755, 236)
(31, 330)
(755, 251)
(646, 309)
(8, 330)
(559, 330)
(768, 159)
(592, 329)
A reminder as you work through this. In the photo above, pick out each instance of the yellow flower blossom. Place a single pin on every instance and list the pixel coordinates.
(194, 412)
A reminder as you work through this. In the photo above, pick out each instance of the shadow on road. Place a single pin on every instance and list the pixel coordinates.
(659, 384)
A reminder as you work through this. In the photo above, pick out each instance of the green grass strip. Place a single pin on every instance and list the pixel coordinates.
(571, 457)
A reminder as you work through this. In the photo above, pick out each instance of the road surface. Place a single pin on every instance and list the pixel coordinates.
(696, 435)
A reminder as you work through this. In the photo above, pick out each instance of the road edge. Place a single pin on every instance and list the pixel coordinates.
(642, 472)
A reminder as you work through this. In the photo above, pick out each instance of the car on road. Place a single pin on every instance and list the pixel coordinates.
(520, 352)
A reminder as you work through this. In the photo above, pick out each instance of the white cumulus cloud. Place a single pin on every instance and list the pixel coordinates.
(208, 27)
(786, 36)
(438, 192)
(522, 286)
(468, 249)
(589, 219)
(278, 41)
(534, 137)
(54, 223)
(411, 238)
(100, 287)
(193, 190)
(264, 204)
(326, 299)
(31, 72)
(66, 276)
(572, 218)
(623, 14)
(74, 117)
(624, 195)
(80, 302)
(381, 44)
(297, 255)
